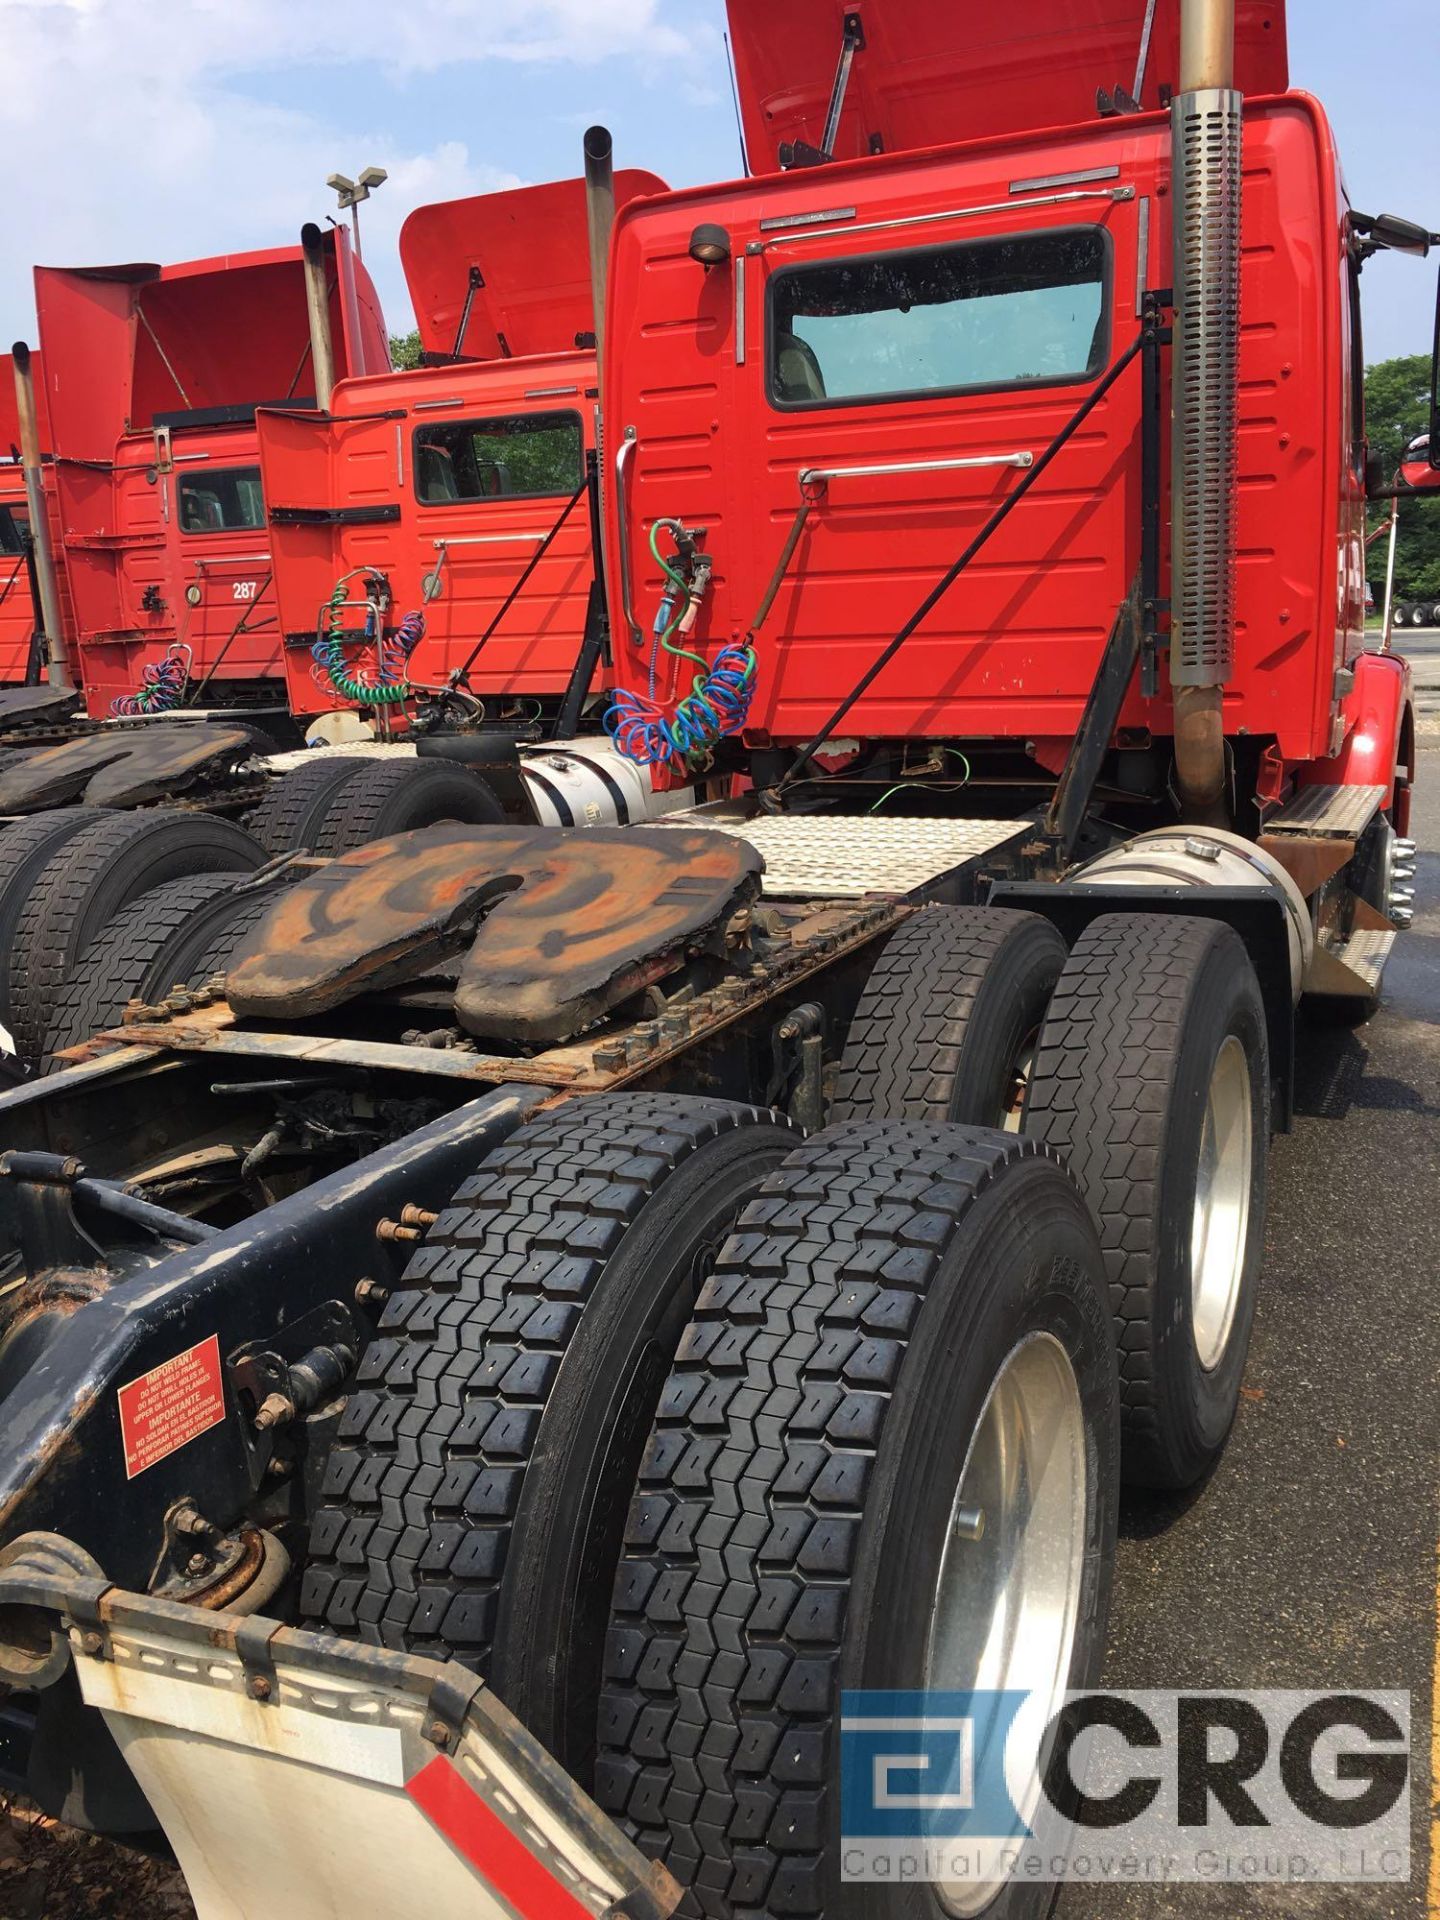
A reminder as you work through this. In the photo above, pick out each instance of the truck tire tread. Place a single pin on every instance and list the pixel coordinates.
(1102, 1095)
(719, 1719)
(287, 819)
(95, 876)
(120, 965)
(396, 796)
(903, 1054)
(422, 1486)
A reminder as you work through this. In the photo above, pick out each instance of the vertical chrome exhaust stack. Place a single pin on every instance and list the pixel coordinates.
(600, 218)
(1205, 122)
(317, 304)
(59, 674)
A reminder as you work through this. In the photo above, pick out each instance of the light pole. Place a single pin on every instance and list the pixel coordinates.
(351, 192)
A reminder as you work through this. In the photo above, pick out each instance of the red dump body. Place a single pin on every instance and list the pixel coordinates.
(473, 461)
(152, 378)
(18, 621)
(727, 414)
(930, 72)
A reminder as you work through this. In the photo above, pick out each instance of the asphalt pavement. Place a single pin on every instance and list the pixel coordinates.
(1421, 647)
(1309, 1559)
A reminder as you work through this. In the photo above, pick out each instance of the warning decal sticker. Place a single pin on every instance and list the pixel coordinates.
(171, 1404)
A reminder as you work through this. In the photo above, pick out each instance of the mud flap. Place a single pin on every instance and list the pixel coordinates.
(298, 1774)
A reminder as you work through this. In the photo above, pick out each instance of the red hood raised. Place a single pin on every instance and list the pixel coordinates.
(125, 343)
(531, 247)
(932, 72)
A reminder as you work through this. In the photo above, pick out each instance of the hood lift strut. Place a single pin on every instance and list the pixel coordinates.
(799, 153)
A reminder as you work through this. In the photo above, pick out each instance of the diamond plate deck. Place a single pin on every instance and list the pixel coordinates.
(342, 750)
(1365, 953)
(1342, 811)
(844, 857)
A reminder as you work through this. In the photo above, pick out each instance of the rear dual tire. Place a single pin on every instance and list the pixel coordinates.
(831, 1400)
(1153, 1029)
(946, 1025)
(475, 1499)
(26, 849)
(94, 876)
(894, 1292)
(336, 803)
(173, 936)
(1152, 1079)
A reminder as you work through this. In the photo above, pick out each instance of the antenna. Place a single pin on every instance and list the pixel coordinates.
(735, 98)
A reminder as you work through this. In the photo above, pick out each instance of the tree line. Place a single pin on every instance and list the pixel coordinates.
(1397, 408)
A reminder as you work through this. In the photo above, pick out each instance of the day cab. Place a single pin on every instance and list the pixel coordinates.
(152, 378)
(893, 339)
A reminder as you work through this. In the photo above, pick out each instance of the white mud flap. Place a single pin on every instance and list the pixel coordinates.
(299, 1775)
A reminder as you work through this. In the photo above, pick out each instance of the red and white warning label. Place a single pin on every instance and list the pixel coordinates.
(171, 1404)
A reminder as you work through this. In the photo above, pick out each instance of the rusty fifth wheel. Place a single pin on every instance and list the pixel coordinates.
(886, 1458)
(946, 1026)
(1152, 1078)
(475, 1499)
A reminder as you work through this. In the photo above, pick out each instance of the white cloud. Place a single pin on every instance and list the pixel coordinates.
(145, 138)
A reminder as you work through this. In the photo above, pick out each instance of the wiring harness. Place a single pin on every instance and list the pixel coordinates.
(162, 685)
(382, 678)
(681, 737)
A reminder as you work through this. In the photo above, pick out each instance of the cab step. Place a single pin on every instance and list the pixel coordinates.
(1351, 970)
(1343, 812)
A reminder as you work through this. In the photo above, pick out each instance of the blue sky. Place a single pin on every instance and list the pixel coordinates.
(180, 138)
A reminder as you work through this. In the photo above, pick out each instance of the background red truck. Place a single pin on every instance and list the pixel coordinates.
(447, 481)
(152, 377)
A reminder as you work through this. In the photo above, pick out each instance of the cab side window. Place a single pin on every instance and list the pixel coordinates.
(1019, 310)
(521, 456)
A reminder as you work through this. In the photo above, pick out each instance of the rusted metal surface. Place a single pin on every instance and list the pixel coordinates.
(1309, 859)
(235, 1572)
(560, 926)
(123, 768)
(617, 1055)
(61, 1291)
(218, 1035)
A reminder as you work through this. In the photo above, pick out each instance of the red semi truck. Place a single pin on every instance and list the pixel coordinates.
(439, 487)
(891, 344)
(154, 592)
(684, 1274)
(152, 378)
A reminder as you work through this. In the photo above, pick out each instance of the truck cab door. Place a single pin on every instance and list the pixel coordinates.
(906, 371)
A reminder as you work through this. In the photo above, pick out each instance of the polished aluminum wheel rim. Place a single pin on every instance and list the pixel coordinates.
(1222, 1204)
(1008, 1594)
